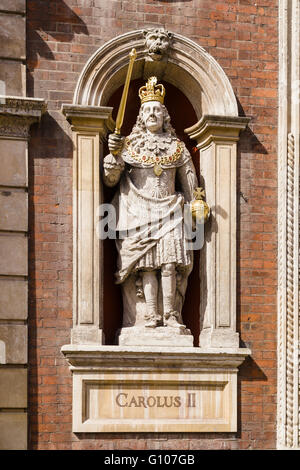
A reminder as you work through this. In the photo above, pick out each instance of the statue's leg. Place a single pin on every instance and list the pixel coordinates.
(150, 286)
(168, 281)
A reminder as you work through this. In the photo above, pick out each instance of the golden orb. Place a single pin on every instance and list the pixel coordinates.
(199, 208)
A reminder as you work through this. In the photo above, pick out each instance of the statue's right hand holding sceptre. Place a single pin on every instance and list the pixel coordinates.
(113, 163)
(115, 144)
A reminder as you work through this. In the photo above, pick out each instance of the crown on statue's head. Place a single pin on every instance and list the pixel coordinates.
(152, 92)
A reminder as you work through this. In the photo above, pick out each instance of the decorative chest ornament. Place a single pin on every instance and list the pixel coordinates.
(156, 160)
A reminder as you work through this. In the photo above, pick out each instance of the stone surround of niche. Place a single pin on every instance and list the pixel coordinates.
(208, 373)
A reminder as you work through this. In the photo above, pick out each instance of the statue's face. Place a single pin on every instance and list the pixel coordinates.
(153, 116)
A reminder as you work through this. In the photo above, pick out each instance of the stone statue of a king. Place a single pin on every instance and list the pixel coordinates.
(154, 259)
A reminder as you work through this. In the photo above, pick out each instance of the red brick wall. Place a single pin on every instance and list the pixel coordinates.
(242, 37)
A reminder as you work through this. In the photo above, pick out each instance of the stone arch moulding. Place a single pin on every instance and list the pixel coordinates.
(191, 69)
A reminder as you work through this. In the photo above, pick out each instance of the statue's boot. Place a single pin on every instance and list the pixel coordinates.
(151, 320)
(171, 319)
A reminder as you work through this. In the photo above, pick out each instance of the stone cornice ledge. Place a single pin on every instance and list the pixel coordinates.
(92, 357)
(22, 106)
(88, 116)
(209, 127)
(78, 110)
(17, 114)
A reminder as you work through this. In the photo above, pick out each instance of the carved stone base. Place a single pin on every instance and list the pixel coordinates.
(154, 389)
(83, 334)
(225, 338)
(159, 336)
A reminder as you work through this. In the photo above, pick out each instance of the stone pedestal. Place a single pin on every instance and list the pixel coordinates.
(154, 389)
(159, 336)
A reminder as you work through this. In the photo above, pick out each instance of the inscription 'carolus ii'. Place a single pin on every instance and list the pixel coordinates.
(124, 400)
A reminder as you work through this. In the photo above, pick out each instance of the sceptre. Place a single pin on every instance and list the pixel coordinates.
(121, 111)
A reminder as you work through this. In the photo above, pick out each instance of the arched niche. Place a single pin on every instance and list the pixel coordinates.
(189, 68)
(112, 295)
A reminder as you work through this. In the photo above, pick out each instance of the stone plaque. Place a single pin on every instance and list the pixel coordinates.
(155, 403)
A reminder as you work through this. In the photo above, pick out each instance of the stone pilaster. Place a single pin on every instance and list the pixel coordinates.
(89, 126)
(13, 229)
(288, 375)
(217, 138)
(16, 116)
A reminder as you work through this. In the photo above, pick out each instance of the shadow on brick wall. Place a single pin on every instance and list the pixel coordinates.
(48, 23)
(50, 138)
(249, 371)
(50, 206)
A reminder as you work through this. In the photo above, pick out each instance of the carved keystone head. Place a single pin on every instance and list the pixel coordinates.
(157, 42)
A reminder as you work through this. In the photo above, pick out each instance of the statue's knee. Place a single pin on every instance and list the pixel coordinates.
(168, 269)
(149, 279)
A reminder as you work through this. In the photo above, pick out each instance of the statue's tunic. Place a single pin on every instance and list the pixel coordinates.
(150, 225)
